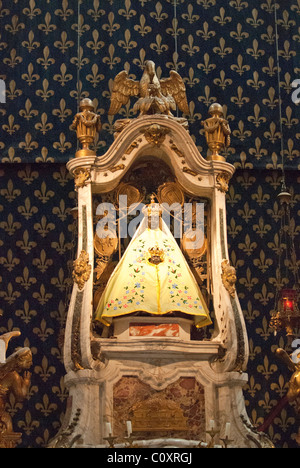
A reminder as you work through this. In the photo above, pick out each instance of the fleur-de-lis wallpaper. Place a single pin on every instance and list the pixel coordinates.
(52, 54)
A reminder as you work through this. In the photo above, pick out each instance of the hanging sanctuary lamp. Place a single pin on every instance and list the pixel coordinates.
(286, 314)
(287, 298)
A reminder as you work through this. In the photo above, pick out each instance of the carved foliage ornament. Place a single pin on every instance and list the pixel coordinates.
(81, 269)
(222, 180)
(82, 175)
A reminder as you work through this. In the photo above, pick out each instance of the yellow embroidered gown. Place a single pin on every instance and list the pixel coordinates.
(139, 285)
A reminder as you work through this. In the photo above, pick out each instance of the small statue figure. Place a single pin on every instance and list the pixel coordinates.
(86, 124)
(293, 394)
(12, 382)
(229, 277)
(155, 96)
(217, 131)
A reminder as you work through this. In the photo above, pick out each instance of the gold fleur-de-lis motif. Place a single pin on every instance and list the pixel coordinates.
(27, 210)
(47, 27)
(111, 27)
(28, 425)
(10, 192)
(31, 44)
(95, 77)
(32, 10)
(159, 15)
(45, 93)
(127, 12)
(190, 48)
(255, 21)
(239, 34)
(30, 77)
(238, 4)
(62, 112)
(44, 126)
(255, 52)
(9, 262)
(62, 145)
(127, 44)
(95, 45)
(26, 313)
(44, 370)
(240, 68)
(64, 12)
(64, 44)
(15, 25)
(10, 295)
(42, 296)
(96, 13)
(222, 19)
(42, 262)
(26, 244)
(61, 246)
(13, 60)
(43, 194)
(158, 46)
(26, 281)
(63, 77)
(43, 227)
(143, 28)
(256, 119)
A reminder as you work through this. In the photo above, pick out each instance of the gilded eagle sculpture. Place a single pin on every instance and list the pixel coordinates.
(155, 96)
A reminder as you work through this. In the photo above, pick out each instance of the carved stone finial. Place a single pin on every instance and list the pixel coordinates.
(217, 132)
(86, 124)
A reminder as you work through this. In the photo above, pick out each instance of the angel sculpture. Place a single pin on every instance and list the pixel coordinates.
(155, 96)
(12, 382)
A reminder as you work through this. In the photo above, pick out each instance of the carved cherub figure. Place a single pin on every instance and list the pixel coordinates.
(229, 277)
(11, 381)
(155, 96)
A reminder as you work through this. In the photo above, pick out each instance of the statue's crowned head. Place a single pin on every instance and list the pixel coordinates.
(157, 255)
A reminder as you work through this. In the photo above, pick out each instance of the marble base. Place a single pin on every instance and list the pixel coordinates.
(157, 366)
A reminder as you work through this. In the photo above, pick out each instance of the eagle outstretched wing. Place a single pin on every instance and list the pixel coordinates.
(175, 87)
(123, 89)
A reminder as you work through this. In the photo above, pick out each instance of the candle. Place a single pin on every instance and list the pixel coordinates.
(129, 428)
(227, 430)
(108, 429)
(211, 425)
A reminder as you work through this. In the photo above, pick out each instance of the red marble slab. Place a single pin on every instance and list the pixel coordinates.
(154, 329)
